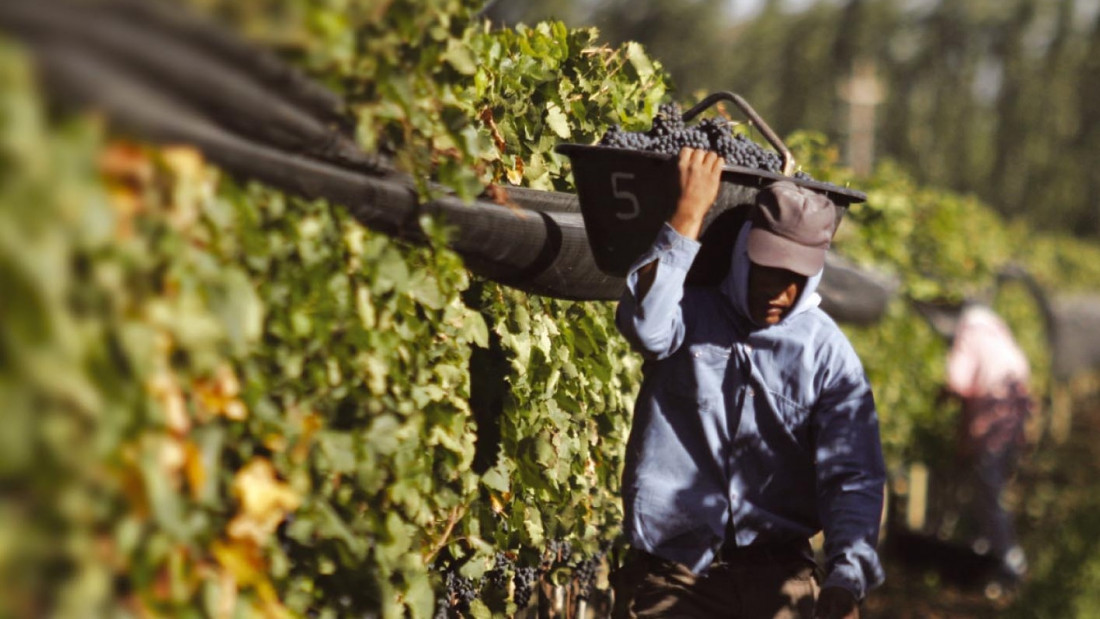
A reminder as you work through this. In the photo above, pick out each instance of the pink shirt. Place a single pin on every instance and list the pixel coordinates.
(987, 368)
(985, 359)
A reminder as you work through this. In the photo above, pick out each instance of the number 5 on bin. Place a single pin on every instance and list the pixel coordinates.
(622, 194)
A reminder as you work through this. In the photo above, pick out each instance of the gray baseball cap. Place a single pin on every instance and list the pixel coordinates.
(791, 228)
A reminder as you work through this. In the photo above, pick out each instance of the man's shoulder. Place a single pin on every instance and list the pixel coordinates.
(822, 325)
(829, 340)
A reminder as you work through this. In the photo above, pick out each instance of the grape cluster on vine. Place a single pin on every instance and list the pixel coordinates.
(508, 579)
(557, 551)
(460, 591)
(584, 575)
(525, 581)
(501, 574)
(669, 134)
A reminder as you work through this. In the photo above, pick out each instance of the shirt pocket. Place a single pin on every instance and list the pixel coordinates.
(697, 374)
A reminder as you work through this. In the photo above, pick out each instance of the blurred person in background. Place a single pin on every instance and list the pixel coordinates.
(988, 372)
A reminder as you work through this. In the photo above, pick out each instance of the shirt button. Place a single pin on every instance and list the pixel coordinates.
(752, 392)
(748, 348)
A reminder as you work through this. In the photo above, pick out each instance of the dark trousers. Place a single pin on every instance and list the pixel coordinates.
(991, 472)
(747, 583)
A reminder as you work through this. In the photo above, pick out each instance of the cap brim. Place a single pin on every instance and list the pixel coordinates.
(771, 250)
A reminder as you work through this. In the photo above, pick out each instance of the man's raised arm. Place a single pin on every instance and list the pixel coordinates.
(649, 311)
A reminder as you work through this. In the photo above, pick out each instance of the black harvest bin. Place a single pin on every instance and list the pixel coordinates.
(626, 195)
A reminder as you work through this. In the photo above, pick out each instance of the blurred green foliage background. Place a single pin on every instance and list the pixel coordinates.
(990, 97)
(224, 401)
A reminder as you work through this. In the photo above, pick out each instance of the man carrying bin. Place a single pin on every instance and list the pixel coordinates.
(755, 426)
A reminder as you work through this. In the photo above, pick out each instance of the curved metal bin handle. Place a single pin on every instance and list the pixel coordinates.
(754, 118)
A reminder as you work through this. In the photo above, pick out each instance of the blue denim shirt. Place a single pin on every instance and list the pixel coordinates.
(771, 430)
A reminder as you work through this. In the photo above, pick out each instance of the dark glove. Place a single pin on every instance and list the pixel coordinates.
(836, 603)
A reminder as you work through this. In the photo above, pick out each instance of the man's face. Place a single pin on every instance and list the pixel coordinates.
(772, 293)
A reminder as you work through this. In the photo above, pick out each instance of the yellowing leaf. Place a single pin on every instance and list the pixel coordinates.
(166, 391)
(193, 469)
(244, 562)
(243, 565)
(309, 424)
(218, 394)
(264, 502)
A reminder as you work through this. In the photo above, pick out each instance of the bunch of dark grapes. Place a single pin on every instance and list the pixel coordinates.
(630, 140)
(525, 580)
(672, 143)
(442, 608)
(557, 551)
(501, 574)
(584, 575)
(669, 120)
(460, 591)
(741, 151)
(669, 135)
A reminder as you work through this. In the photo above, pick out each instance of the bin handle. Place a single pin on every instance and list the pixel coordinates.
(754, 118)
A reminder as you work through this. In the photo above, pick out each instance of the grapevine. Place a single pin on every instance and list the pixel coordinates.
(222, 328)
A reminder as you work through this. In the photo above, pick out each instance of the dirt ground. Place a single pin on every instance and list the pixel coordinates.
(921, 593)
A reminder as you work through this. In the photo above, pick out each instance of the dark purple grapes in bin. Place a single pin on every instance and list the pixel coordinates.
(669, 135)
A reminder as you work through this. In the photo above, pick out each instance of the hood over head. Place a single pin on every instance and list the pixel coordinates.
(736, 284)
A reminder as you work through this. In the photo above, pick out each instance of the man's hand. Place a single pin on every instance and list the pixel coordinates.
(836, 603)
(700, 177)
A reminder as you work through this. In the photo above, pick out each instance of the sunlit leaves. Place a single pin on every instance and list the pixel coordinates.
(243, 401)
(264, 502)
